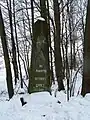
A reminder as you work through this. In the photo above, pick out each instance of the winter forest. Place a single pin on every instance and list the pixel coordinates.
(44, 60)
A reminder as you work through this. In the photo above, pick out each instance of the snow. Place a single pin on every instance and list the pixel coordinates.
(41, 19)
(41, 105)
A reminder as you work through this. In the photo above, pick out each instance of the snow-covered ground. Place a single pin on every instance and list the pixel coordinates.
(41, 105)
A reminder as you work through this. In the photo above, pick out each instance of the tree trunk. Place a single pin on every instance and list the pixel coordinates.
(14, 60)
(49, 39)
(6, 58)
(43, 9)
(66, 63)
(86, 64)
(32, 14)
(58, 58)
(14, 16)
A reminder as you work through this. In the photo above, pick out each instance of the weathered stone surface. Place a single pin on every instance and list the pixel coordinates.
(39, 71)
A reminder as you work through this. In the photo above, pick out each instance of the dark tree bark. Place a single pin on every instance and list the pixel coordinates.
(14, 60)
(43, 9)
(49, 39)
(70, 34)
(62, 36)
(86, 55)
(58, 58)
(6, 58)
(32, 14)
(27, 13)
(14, 16)
(72, 41)
(66, 62)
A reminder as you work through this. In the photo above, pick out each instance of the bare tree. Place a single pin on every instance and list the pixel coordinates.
(58, 58)
(86, 63)
(14, 60)
(6, 57)
(16, 37)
